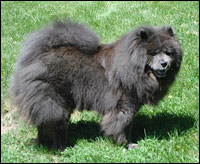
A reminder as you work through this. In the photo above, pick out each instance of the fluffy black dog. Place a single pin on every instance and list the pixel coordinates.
(64, 67)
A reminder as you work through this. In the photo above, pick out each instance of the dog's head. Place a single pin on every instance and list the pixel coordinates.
(162, 49)
(145, 53)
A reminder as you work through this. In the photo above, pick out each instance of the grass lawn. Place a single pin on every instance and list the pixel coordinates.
(166, 133)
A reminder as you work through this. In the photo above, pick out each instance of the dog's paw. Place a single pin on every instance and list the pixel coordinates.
(132, 146)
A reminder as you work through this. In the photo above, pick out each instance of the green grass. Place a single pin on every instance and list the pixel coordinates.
(166, 133)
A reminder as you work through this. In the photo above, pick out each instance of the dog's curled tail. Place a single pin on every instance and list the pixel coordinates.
(62, 33)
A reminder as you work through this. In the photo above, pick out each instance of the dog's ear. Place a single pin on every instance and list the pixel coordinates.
(143, 34)
(170, 31)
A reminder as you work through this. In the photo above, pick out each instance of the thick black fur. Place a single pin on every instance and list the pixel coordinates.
(64, 67)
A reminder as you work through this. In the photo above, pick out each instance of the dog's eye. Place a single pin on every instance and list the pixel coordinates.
(154, 53)
(169, 52)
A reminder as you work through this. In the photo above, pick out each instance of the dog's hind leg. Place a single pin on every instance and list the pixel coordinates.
(47, 110)
(53, 134)
(52, 117)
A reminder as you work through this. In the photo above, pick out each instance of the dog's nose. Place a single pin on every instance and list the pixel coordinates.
(163, 63)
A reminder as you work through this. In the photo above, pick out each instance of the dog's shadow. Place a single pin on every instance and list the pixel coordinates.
(88, 130)
(159, 126)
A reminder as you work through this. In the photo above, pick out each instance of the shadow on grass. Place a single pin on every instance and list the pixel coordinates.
(158, 126)
(83, 130)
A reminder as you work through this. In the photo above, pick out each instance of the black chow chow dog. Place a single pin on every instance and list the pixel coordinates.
(64, 67)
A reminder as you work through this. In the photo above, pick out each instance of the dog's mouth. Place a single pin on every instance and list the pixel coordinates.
(160, 73)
